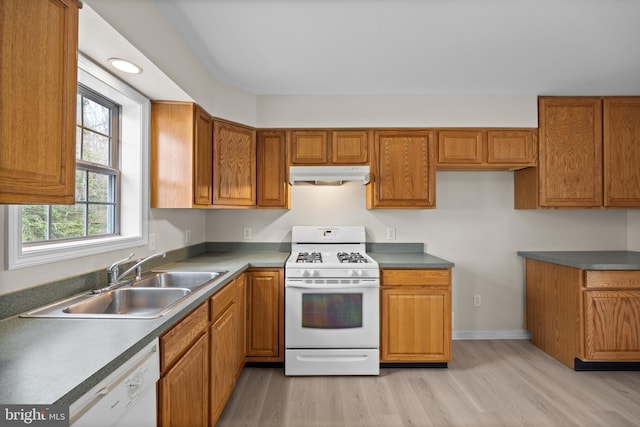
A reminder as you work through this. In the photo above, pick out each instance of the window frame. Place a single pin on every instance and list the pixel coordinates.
(134, 182)
(111, 168)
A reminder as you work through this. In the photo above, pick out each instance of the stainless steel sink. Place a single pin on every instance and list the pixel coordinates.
(177, 279)
(140, 302)
(146, 298)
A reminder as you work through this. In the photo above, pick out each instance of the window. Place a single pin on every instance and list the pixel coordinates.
(96, 210)
(111, 209)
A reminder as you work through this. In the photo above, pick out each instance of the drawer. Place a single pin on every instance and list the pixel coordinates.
(612, 279)
(440, 277)
(223, 300)
(178, 339)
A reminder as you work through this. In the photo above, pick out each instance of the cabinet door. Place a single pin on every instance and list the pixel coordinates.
(273, 189)
(223, 360)
(570, 152)
(234, 165)
(38, 89)
(511, 147)
(184, 390)
(202, 158)
(403, 170)
(309, 147)
(460, 147)
(349, 147)
(612, 325)
(241, 315)
(264, 316)
(622, 152)
(416, 325)
(181, 155)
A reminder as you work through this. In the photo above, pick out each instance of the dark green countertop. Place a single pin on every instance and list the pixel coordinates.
(44, 361)
(410, 260)
(588, 260)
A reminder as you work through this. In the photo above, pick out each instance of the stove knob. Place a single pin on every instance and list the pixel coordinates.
(309, 273)
(359, 273)
(351, 273)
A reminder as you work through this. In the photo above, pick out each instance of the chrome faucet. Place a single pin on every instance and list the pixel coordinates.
(138, 266)
(114, 269)
(115, 277)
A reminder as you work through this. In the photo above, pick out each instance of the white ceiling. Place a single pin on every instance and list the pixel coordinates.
(374, 47)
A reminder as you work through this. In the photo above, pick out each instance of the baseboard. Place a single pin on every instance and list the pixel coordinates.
(493, 334)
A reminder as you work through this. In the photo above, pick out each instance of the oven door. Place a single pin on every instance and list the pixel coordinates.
(332, 313)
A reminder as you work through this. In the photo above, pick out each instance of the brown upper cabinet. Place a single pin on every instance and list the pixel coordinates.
(327, 147)
(181, 155)
(403, 171)
(273, 190)
(39, 69)
(234, 165)
(486, 149)
(588, 155)
(621, 152)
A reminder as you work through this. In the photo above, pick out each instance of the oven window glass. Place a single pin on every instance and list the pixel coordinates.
(331, 311)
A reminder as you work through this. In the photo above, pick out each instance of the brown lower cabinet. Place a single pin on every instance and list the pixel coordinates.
(590, 315)
(223, 333)
(265, 315)
(415, 315)
(183, 389)
(202, 356)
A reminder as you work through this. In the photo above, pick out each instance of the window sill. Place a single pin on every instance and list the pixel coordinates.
(36, 255)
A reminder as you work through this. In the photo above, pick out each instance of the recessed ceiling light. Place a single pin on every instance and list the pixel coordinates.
(125, 66)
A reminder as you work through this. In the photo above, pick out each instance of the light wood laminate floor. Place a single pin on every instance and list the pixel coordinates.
(488, 383)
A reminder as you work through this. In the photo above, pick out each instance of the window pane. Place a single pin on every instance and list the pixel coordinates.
(95, 148)
(79, 109)
(34, 223)
(81, 186)
(99, 187)
(99, 219)
(96, 116)
(67, 221)
(78, 143)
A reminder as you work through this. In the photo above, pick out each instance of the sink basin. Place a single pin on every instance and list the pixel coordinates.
(141, 302)
(147, 298)
(191, 280)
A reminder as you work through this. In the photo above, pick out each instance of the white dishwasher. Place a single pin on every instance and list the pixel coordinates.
(127, 397)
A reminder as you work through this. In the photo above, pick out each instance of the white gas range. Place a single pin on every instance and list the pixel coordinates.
(332, 294)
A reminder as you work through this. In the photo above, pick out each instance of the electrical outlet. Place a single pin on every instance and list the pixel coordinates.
(246, 233)
(187, 236)
(391, 233)
(152, 241)
(477, 301)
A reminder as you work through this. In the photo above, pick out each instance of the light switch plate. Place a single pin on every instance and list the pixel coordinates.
(391, 233)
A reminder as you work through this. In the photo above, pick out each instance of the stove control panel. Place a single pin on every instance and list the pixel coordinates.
(335, 273)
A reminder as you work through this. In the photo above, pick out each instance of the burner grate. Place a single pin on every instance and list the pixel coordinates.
(352, 257)
(309, 257)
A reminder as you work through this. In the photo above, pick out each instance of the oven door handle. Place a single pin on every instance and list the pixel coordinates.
(371, 284)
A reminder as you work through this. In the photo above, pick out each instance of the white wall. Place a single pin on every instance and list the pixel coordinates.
(167, 224)
(397, 111)
(634, 230)
(474, 226)
(143, 24)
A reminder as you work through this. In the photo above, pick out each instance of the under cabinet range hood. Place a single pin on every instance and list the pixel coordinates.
(328, 175)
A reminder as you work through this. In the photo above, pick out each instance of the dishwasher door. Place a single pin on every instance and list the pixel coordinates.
(125, 398)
